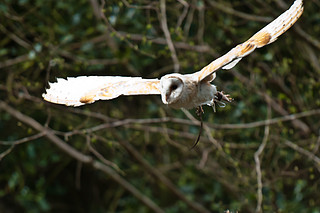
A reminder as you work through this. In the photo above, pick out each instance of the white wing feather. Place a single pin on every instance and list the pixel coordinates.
(76, 91)
(265, 36)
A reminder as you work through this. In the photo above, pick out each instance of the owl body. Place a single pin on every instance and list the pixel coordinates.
(185, 91)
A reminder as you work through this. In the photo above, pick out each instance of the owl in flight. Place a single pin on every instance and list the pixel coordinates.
(176, 90)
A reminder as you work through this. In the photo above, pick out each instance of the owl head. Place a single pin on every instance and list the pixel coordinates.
(171, 88)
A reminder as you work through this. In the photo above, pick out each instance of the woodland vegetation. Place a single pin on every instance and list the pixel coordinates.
(259, 153)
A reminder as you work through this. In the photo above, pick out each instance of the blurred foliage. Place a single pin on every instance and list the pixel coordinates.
(41, 40)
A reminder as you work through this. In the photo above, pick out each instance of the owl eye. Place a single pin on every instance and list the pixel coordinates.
(173, 87)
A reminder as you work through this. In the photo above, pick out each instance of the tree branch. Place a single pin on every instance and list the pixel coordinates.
(258, 163)
(164, 26)
(79, 156)
(304, 152)
(157, 174)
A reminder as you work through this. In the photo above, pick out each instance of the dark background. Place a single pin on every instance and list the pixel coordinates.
(131, 154)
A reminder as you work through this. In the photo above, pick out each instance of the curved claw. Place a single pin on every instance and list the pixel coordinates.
(220, 96)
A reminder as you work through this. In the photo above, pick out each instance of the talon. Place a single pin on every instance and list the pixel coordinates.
(223, 97)
(199, 111)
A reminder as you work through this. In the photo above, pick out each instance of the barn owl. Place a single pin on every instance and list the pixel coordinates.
(176, 90)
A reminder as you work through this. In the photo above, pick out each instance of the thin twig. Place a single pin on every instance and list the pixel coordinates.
(204, 158)
(164, 26)
(87, 61)
(139, 37)
(111, 28)
(11, 62)
(231, 11)
(139, 7)
(275, 105)
(184, 13)
(102, 158)
(96, 8)
(23, 140)
(313, 41)
(78, 175)
(189, 20)
(304, 152)
(316, 147)
(272, 121)
(5, 153)
(258, 164)
(201, 22)
(15, 38)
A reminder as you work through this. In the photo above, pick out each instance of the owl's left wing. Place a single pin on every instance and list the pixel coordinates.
(265, 36)
(77, 91)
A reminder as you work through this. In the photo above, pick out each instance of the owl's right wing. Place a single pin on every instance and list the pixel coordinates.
(265, 36)
(77, 91)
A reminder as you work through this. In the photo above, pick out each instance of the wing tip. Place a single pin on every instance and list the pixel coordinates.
(55, 94)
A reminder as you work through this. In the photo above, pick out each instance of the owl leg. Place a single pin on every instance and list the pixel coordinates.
(199, 112)
(220, 96)
(213, 105)
(220, 99)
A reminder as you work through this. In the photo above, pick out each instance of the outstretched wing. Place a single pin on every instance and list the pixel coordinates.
(76, 91)
(265, 36)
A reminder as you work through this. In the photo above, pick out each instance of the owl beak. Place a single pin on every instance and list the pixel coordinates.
(165, 98)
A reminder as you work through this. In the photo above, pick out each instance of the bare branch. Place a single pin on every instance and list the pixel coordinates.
(48, 133)
(231, 11)
(155, 40)
(201, 22)
(184, 13)
(272, 121)
(176, 44)
(316, 147)
(164, 26)
(81, 157)
(23, 140)
(101, 158)
(211, 139)
(189, 20)
(276, 106)
(313, 41)
(15, 38)
(111, 28)
(87, 61)
(304, 152)
(11, 62)
(157, 174)
(5, 153)
(285, 118)
(96, 8)
(258, 164)
(129, 122)
(150, 6)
